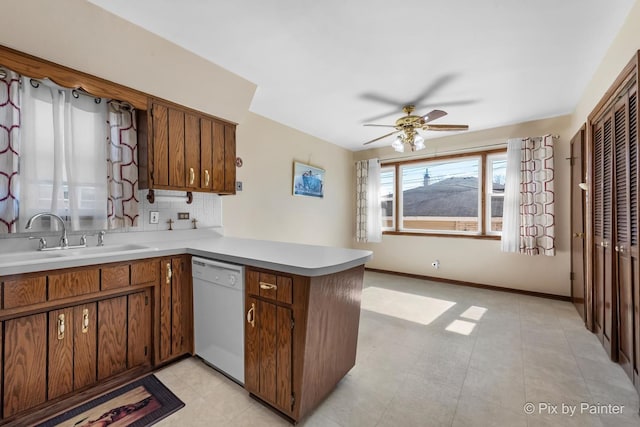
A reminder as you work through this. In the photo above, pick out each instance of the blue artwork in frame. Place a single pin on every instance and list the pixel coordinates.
(307, 180)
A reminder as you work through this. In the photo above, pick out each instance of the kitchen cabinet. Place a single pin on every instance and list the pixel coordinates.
(72, 349)
(25, 363)
(300, 336)
(176, 308)
(182, 149)
(74, 330)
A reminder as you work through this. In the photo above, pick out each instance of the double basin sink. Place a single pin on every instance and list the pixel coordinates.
(35, 256)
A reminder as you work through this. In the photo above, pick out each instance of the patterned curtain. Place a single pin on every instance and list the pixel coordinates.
(122, 166)
(529, 213)
(537, 211)
(9, 149)
(368, 207)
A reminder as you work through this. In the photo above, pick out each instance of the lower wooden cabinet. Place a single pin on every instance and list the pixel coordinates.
(25, 363)
(268, 351)
(80, 336)
(301, 335)
(72, 349)
(176, 308)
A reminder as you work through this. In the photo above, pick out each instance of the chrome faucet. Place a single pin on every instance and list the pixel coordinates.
(64, 242)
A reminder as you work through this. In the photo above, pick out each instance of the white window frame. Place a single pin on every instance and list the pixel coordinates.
(489, 194)
(384, 198)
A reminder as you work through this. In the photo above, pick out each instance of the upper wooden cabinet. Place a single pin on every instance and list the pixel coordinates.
(185, 150)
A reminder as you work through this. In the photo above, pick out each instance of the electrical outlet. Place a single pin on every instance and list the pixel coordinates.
(238, 185)
(183, 215)
(154, 217)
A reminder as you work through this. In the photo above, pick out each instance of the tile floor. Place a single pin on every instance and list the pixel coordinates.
(432, 354)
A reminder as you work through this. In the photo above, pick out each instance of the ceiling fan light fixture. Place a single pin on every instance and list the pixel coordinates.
(398, 144)
(418, 143)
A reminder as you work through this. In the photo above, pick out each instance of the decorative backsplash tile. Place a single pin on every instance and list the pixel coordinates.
(206, 208)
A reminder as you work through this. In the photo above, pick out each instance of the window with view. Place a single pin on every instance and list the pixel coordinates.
(444, 195)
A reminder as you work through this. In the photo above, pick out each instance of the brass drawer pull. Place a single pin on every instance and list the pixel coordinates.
(206, 177)
(251, 315)
(192, 176)
(168, 273)
(61, 326)
(85, 320)
(268, 286)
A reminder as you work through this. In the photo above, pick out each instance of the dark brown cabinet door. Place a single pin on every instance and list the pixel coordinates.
(192, 150)
(176, 308)
(60, 380)
(139, 329)
(112, 336)
(268, 344)
(25, 363)
(85, 356)
(168, 126)
(229, 159)
(160, 166)
(206, 154)
(579, 295)
(218, 157)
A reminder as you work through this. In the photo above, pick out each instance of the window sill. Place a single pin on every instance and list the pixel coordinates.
(465, 236)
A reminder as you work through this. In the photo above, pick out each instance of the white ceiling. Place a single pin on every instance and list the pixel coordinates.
(325, 67)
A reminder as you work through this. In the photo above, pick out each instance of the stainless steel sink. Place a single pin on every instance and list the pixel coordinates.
(30, 257)
(101, 250)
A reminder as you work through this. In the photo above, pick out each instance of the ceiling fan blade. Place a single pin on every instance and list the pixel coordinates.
(382, 126)
(433, 88)
(434, 114)
(379, 138)
(445, 127)
(380, 98)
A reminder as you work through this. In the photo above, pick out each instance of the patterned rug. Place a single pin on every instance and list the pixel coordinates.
(139, 404)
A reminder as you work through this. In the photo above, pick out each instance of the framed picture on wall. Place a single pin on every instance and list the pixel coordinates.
(307, 180)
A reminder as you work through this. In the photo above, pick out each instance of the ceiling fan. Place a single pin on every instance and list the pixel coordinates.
(408, 127)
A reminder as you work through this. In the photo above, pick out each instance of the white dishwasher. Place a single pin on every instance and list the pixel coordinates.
(218, 306)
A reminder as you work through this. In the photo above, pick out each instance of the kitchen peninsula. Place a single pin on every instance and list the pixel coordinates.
(302, 308)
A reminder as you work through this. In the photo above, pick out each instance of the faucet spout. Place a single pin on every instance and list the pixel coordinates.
(64, 241)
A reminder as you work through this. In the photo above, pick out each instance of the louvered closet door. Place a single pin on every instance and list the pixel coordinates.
(634, 221)
(622, 233)
(605, 297)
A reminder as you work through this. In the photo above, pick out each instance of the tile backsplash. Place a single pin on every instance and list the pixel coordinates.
(206, 208)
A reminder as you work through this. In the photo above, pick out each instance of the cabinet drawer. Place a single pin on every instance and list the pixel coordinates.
(144, 272)
(115, 277)
(271, 286)
(21, 292)
(72, 284)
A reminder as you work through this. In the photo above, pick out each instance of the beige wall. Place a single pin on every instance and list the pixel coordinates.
(266, 208)
(624, 46)
(82, 36)
(476, 260)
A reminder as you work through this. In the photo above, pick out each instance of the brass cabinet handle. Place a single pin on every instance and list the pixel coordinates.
(85, 320)
(61, 326)
(578, 234)
(169, 273)
(619, 248)
(192, 176)
(267, 286)
(206, 177)
(604, 244)
(251, 315)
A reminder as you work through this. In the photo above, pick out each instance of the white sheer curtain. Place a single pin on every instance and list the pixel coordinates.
(511, 210)
(63, 168)
(530, 166)
(368, 207)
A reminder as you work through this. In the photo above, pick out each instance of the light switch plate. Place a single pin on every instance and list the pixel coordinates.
(154, 217)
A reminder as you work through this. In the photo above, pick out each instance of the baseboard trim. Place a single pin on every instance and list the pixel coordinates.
(472, 284)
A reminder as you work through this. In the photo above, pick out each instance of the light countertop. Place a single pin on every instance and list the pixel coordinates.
(294, 258)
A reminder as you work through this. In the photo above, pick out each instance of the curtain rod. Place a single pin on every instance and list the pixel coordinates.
(461, 150)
